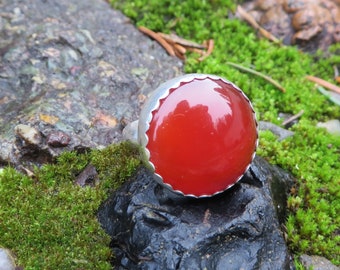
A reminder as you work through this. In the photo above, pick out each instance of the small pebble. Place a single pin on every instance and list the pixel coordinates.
(130, 132)
(88, 177)
(332, 126)
(317, 263)
(280, 132)
(58, 139)
(29, 134)
(6, 260)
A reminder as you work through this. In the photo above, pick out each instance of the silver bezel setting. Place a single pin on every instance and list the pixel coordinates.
(153, 103)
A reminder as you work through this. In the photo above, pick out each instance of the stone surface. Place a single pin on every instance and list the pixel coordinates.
(72, 72)
(88, 177)
(154, 228)
(7, 261)
(280, 132)
(317, 263)
(332, 126)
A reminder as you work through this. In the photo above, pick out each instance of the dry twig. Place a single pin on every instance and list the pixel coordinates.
(177, 46)
(158, 38)
(336, 74)
(173, 38)
(254, 72)
(294, 117)
(246, 16)
(209, 50)
(323, 83)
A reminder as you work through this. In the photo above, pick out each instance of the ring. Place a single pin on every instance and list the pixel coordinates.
(199, 134)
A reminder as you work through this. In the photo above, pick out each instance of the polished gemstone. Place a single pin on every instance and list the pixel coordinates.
(202, 137)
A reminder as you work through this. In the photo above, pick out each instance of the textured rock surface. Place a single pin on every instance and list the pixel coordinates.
(280, 132)
(6, 260)
(74, 73)
(332, 126)
(152, 228)
(317, 263)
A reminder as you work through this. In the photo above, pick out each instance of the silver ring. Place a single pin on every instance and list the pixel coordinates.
(153, 104)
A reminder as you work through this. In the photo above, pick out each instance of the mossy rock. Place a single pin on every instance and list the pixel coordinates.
(311, 154)
(49, 222)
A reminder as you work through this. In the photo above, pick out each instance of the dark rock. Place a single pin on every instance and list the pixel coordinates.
(58, 139)
(88, 177)
(274, 181)
(153, 228)
(72, 67)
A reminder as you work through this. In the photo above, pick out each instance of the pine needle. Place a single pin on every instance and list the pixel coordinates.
(259, 74)
(323, 83)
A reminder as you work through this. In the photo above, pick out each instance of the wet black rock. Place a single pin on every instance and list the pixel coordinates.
(153, 228)
(74, 72)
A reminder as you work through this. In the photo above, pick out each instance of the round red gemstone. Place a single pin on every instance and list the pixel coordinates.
(202, 137)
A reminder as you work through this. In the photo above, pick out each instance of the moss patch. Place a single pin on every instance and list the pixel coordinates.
(49, 222)
(311, 155)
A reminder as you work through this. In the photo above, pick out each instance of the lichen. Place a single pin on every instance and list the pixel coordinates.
(49, 222)
(311, 154)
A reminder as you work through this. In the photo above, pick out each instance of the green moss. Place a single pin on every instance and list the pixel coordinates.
(49, 222)
(311, 155)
